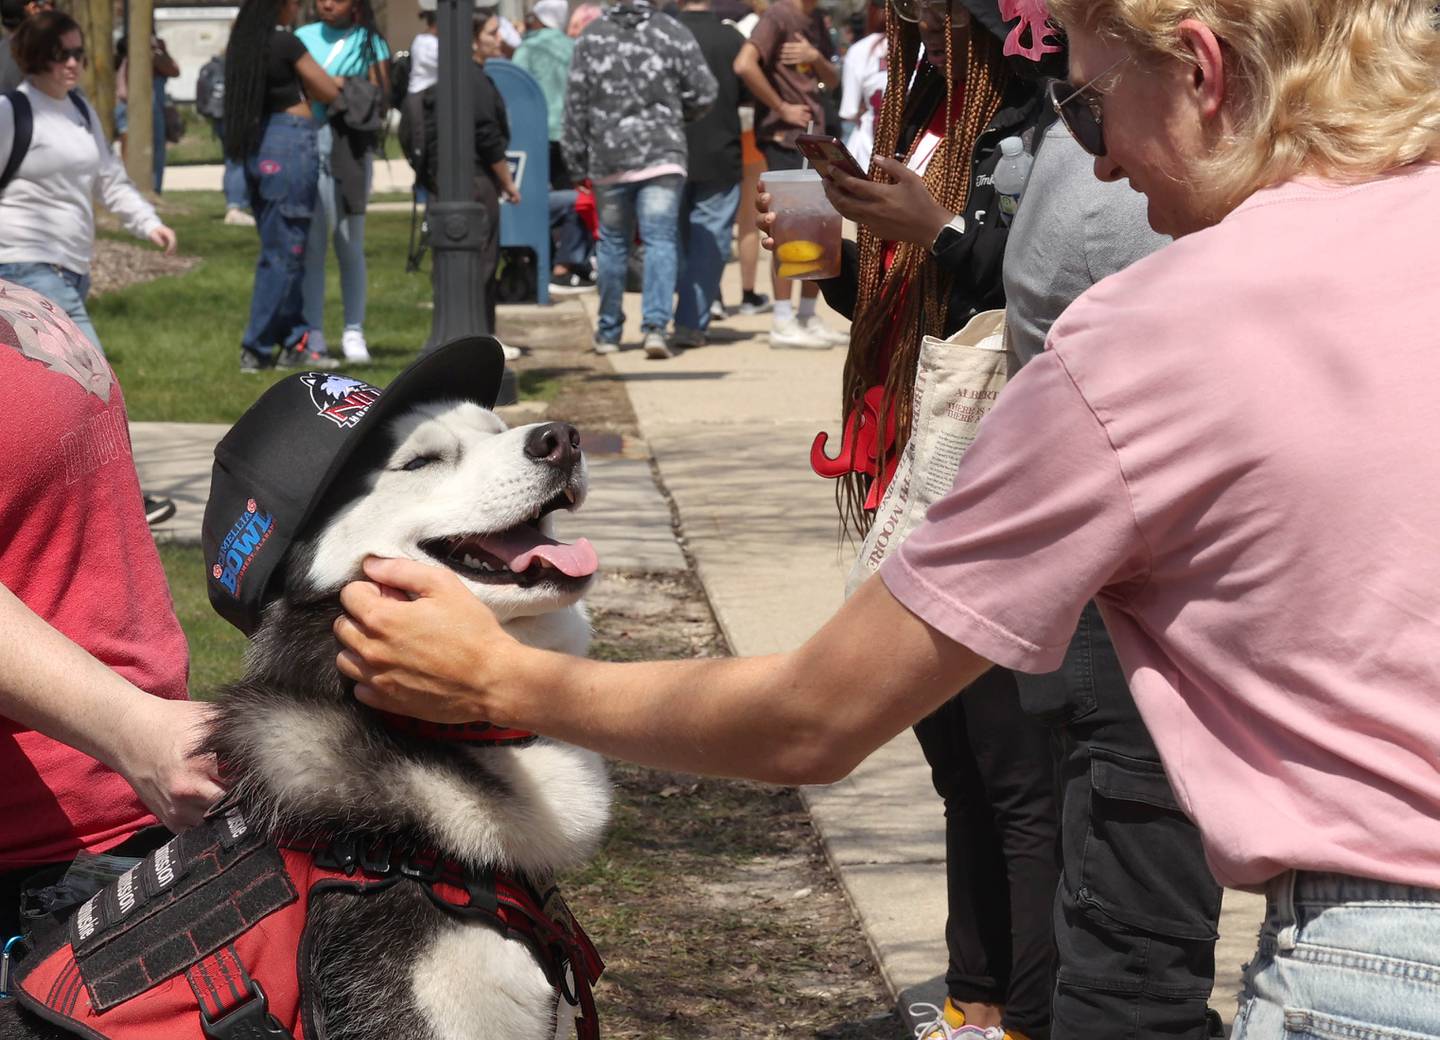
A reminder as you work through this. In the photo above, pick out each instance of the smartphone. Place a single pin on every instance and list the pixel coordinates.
(821, 148)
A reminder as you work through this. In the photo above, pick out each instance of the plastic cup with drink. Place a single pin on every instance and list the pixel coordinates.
(806, 229)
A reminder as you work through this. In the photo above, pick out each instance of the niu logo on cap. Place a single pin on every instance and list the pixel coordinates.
(342, 400)
(247, 536)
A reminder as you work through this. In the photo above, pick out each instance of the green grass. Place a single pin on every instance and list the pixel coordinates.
(175, 341)
(199, 146)
(216, 647)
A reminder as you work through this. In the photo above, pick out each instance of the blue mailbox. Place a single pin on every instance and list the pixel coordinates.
(527, 224)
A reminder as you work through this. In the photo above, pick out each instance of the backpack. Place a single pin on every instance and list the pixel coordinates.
(399, 78)
(418, 136)
(210, 89)
(25, 129)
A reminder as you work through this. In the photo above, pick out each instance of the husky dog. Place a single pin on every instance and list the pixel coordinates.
(447, 484)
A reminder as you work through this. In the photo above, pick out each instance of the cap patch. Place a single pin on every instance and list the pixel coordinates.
(341, 399)
(247, 536)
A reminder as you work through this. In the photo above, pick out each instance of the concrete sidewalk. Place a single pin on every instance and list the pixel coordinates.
(391, 175)
(730, 426)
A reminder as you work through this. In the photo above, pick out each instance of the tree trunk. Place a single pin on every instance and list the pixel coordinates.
(97, 22)
(139, 137)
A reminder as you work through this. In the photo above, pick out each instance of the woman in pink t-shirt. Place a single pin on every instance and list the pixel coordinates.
(1228, 445)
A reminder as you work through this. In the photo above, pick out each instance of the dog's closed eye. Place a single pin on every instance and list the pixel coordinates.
(420, 462)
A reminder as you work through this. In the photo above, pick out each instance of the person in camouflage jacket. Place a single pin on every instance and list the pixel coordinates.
(636, 78)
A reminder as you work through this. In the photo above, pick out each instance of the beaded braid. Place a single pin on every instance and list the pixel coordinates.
(909, 301)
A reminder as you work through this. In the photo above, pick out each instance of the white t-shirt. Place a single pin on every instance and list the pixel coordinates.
(424, 62)
(46, 212)
(862, 80)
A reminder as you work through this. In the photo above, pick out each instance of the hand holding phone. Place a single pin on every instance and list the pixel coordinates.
(822, 148)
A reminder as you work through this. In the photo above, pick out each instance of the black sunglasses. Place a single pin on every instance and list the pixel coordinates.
(64, 54)
(1082, 113)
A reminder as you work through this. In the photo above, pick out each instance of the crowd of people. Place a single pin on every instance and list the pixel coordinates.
(1172, 627)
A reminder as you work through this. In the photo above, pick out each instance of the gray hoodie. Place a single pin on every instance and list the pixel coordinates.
(636, 78)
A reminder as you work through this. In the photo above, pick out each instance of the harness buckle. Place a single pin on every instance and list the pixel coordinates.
(338, 855)
(249, 1021)
(383, 861)
(414, 867)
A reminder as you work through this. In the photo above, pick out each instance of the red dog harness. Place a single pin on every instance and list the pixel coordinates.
(199, 941)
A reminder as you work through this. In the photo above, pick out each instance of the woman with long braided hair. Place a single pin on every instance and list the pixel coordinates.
(268, 76)
(931, 245)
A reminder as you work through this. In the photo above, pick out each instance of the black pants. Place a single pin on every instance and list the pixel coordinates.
(1137, 910)
(992, 765)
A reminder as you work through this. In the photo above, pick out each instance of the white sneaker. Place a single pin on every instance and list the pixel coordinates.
(688, 338)
(353, 346)
(718, 311)
(602, 347)
(935, 1024)
(656, 349)
(816, 327)
(510, 353)
(791, 335)
(237, 217)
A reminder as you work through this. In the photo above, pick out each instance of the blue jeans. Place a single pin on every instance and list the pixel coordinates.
(236, 197)
(572, 241)
(707, 217)
(280, 177)
(656, 203)
(349, 236)
(65, 289)
(1343, 958)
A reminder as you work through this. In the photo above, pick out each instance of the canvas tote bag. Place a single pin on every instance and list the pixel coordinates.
(957, 382)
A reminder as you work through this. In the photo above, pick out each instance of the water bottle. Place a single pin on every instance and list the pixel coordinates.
(1011, 176)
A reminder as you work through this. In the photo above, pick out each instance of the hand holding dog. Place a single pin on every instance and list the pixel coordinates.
(157, 755)
(418, 643)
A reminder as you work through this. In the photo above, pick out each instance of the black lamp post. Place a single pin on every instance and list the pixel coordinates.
(457, 221)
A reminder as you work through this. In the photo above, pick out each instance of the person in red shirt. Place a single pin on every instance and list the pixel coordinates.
(96, 730)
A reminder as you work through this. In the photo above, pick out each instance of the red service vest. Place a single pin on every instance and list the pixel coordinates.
(172, 948)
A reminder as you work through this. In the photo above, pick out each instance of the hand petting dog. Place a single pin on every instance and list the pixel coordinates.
(389, 628)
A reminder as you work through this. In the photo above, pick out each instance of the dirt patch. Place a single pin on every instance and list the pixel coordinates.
(711, 900)
(120, 264)
(556, 341)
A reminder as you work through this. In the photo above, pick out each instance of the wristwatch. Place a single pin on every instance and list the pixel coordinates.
(948, 235)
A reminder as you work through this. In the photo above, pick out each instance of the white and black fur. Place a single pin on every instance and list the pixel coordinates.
(301, 754)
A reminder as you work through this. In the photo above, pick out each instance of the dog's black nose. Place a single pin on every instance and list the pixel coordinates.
(556, 443)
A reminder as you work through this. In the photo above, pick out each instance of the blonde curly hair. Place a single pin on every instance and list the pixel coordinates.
(1342, 89)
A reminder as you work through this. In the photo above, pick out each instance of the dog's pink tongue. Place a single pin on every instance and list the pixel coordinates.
(520, 546)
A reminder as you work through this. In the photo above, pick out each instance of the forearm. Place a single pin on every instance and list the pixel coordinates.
(753, 76)
(53, 686)
(827, 73)
(808, 716)
(501, 170)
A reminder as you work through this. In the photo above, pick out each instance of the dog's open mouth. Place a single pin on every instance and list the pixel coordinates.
(521, 555)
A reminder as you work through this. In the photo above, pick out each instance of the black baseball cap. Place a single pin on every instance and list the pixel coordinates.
(280, 458)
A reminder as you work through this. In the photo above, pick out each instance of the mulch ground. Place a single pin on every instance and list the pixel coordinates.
(711, 900)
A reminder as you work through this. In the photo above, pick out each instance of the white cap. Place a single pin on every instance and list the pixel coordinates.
(1012, 146)
(551, 13)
